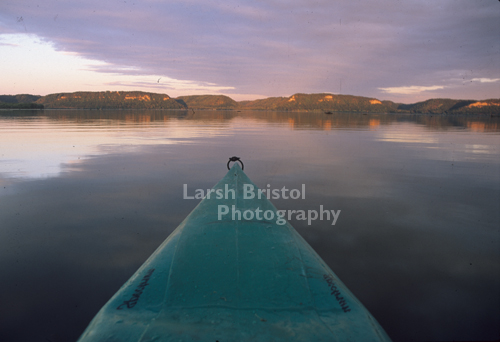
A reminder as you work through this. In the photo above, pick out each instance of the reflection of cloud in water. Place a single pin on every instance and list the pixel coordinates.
(455, 147)
(477, 148)
(39, 146)
(408, 133)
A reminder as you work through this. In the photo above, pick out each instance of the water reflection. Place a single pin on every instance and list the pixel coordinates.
(67, 137)
(297, 119)
(416, 240)
(39, 146)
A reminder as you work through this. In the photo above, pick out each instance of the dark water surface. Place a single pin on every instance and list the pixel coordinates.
(87, 196)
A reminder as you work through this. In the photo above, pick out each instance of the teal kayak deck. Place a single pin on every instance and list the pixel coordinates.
(233, 280)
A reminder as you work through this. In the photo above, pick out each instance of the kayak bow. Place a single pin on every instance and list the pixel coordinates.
(219, 279)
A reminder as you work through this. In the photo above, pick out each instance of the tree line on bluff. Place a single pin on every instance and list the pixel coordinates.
(323, 102)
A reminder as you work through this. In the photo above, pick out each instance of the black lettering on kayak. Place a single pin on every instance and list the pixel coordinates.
(335, 292)
(129, 304)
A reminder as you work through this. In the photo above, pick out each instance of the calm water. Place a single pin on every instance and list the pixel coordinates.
(87, 196)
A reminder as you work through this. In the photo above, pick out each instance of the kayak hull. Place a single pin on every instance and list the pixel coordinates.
(216, 278)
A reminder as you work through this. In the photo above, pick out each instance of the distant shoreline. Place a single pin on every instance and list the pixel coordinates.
(325, 103)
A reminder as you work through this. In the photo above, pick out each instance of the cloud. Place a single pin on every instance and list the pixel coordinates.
(8, 44)
(274, 47)
(486, 80)
(162, 83)
(409, 90)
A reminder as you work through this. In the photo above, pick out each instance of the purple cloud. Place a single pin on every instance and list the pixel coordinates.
(277, 47)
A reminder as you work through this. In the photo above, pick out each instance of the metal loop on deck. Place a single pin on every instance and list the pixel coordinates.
(235, 159)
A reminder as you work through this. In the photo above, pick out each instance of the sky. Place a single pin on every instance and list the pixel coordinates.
(404, 51)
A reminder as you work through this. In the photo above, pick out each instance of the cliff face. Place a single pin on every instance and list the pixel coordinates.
(491, 106)
(108, 100)
(449, 106)
(320, 102)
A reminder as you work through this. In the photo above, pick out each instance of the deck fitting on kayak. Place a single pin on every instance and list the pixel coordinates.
(235, 159)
